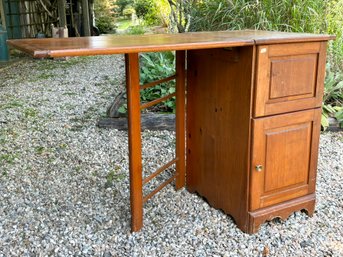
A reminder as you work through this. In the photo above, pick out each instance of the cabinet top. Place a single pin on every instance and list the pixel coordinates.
(120, 44)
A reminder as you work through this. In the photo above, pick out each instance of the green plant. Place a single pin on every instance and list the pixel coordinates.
(30, 112)
(334, 19)
(123, 23)
(339, 115)
(284, 15)
(104, 18)
(155, 66)
(333, 97)
(105, 24)
(8, 158)
(333, 90)
(128, 11)
(11, 104)
(136, 30)
(113, 176)
(148, 11)
(123, 108)
(39, 150)
(120, 5)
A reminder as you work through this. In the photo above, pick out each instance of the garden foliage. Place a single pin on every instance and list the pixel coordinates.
(104, 18)
(152, 12)
(155, 66)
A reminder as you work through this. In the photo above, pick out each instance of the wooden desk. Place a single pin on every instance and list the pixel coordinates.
(253, 116)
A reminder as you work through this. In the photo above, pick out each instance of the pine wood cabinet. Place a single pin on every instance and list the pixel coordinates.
(253, 129)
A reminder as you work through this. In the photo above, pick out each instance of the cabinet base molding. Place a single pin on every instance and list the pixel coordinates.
(283, 211)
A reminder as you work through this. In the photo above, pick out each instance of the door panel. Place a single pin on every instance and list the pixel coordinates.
(289, 77)
(290, 146)
(284, 157)
(293, 76)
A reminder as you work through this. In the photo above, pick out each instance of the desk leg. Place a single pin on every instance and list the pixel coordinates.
(180, 119)
(135, 144)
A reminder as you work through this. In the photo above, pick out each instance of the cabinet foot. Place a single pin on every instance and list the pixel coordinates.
(283, 211)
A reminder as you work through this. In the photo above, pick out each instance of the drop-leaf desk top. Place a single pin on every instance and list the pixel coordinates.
(120, 44)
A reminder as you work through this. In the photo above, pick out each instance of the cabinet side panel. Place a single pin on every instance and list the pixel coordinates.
(218, 127)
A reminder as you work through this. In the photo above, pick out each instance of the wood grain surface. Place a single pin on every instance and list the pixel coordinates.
(289, 77)
(286, 147)
(120, 44)
(218, 127)
(135, 143)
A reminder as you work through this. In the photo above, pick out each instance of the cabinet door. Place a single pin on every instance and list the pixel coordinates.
(289, 77)
(284, 157)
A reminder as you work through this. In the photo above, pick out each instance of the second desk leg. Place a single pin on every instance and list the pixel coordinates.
(180, 118)
(135, 144)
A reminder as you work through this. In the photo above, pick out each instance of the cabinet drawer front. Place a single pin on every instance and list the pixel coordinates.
(289, 77)
(284, 157)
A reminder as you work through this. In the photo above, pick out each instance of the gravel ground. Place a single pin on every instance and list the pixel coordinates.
(64, 187)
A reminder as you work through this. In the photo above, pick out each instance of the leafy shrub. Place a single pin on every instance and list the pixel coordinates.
(120, 5)
(300, 16)
(333, 90)
(136, 30)
(334, 19)
(147, 10)
(333, 97)
(128, 11)
(104, 19)
(105, 24)
(164, 10)
(155, 66)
